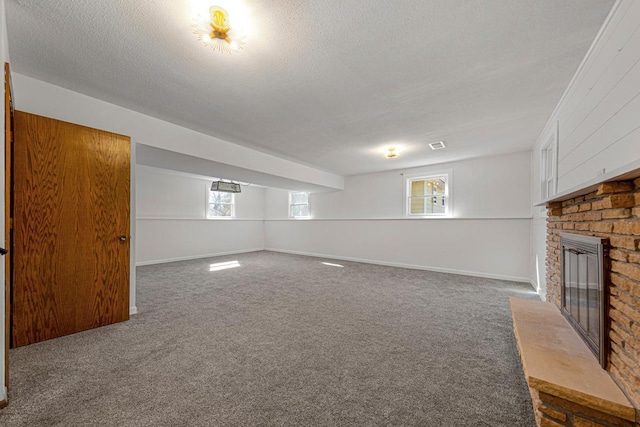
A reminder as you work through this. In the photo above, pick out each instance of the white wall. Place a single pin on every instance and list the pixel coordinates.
(488, 235)
(167, 194)
(598, 118)
(171, 219)
(537, 265)
(4, 52)
(164, 240)
(487, 187)
(484, 248)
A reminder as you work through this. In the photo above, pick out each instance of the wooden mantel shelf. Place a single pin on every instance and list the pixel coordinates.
(557, 362)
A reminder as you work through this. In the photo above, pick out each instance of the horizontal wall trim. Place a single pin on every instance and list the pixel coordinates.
(406, 219)
(400, 218)
(410, 266)
(187, 258)
(157, 218)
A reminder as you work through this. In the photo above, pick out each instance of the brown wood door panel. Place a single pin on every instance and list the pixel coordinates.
(71, 202)
(108, 167)
(39, 249)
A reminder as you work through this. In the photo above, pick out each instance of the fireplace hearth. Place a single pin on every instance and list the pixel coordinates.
(608, 213)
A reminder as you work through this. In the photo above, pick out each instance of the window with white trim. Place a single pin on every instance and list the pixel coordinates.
(298, 204)
(428, 195)
(548, 171)
(549, 164)
(221, 205)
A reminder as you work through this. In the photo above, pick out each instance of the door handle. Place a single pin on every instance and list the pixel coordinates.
(123, 238)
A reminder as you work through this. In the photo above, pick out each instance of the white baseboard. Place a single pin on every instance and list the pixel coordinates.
(187, 258)
(133, 310)
(410, 266)
(542, 293)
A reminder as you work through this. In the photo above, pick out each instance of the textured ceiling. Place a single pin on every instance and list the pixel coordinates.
(326, 82)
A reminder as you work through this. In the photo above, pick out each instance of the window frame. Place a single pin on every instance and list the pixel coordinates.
(208, 203)
(291, 205)
(448, 208)
(549, 166)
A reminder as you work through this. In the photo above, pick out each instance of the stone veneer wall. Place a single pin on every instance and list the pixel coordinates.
(613, 211)
(553, 411)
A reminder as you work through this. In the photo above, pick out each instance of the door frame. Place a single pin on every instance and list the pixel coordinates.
(8, 150)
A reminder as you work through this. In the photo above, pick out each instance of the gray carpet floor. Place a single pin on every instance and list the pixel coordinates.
(285, 340)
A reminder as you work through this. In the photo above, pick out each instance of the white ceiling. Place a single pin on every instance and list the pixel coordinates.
(325, 82)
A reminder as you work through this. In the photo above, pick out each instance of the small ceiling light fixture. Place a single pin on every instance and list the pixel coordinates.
(217, 32)
(226, 187)
(437, 145)
(390, 152)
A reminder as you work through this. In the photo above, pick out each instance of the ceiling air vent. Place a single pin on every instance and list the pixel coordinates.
(437, 145)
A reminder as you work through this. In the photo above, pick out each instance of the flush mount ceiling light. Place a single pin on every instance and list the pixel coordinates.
(216, 31)
(390, 152)
(437, 145)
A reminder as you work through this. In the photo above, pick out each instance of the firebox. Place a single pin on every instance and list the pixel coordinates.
(584, 262)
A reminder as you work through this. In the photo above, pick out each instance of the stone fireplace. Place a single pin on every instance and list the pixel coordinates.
(570, 386)
(611, 212)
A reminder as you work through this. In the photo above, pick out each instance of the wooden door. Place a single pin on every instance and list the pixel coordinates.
(71, 228)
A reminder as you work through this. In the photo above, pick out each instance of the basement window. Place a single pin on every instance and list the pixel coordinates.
(298, 204)
(548, 172)
(221, 205)
(428, 195)
(549, 166)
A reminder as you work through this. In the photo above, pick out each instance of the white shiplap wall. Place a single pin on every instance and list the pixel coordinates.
(598, 119)
(599, 116)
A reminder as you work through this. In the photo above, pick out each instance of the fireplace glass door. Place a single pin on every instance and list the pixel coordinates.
(581, 278)
(583, 288)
